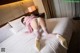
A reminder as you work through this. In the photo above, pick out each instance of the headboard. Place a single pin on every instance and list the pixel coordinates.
(11, 20)
(26, 14)
(42, 15)
(13, 11)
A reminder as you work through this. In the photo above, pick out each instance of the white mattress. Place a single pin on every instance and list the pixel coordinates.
(25, 43)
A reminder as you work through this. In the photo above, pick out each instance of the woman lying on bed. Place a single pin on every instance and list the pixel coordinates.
(34, 23)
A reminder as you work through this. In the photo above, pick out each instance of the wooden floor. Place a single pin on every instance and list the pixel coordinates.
(74, 46)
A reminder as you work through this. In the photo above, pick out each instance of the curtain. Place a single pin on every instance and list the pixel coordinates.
(49, 6)
(61, 8)
(64, 9)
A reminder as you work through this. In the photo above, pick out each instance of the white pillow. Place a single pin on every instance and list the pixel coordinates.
(7, 26)
(21, 31)
(13, 31)
(17, 25)
(5, 32)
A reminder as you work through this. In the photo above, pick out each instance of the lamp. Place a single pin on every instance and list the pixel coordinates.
(31, 8)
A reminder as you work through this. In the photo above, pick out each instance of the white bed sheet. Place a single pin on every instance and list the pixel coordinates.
(24, 43)
(18, 43)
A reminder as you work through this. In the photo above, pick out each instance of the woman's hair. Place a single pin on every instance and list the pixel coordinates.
(28, 14)
(22, 19)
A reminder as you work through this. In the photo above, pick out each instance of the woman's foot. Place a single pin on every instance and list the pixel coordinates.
(62, 41)
(37, 44)
(37, 41)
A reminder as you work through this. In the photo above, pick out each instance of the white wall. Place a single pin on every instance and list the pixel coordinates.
(40, 6)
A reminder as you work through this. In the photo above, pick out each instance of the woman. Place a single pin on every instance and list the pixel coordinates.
(34, 24)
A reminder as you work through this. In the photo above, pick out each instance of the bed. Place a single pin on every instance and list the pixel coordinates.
(18, 41)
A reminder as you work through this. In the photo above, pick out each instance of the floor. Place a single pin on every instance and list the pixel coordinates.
(74, 46)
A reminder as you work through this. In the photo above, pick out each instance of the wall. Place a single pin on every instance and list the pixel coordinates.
(13, 10)
(40, 6)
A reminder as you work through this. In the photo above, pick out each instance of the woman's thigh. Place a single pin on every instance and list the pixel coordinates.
(41, 22)
(34, 24)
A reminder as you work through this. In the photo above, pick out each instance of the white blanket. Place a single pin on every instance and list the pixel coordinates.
(24, 43)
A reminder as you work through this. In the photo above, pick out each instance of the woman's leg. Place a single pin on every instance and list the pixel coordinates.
(42, 23)
(34, 25)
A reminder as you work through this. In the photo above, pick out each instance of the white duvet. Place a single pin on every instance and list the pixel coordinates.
(25, 43)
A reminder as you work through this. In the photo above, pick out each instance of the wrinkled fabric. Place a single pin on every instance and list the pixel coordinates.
(27, 21)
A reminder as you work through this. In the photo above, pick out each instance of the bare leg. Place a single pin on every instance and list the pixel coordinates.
(34, 25)
(42, 23)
